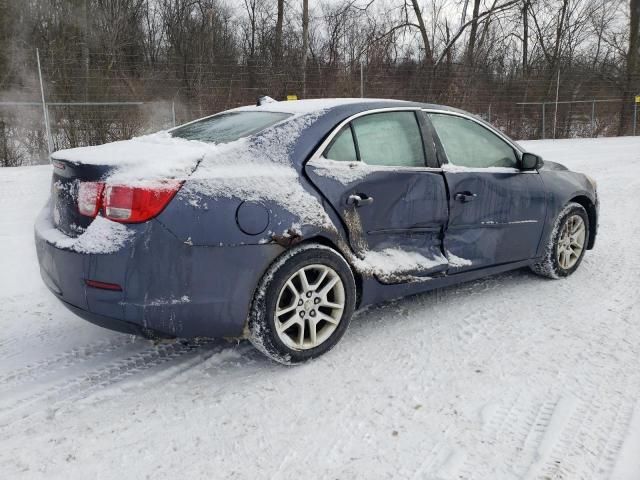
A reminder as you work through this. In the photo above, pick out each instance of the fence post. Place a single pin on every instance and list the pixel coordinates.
(361, 79)
(635, 116)
(593, 118)
(45, 110)
(555, 114)
(543, 115)
(173, 112)
(489, 113)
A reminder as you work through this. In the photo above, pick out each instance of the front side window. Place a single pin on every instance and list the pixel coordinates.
(229, 126)
(390, 139)
(468, 144)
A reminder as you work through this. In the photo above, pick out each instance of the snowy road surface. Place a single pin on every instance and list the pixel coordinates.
(510, 377)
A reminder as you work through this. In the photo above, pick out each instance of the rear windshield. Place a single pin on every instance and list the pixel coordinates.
(227, 127)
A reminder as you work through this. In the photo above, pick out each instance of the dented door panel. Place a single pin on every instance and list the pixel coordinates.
(495, 218)
(408, 211)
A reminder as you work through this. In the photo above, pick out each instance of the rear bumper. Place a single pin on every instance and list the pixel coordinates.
(168, 286)
(105, 322)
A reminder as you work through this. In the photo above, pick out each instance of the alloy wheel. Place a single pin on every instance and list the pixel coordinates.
(309, 307)
(571, 242)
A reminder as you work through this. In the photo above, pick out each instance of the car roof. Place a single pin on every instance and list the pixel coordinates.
(324, 104)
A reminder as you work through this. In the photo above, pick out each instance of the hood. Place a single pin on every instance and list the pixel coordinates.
(549, 165)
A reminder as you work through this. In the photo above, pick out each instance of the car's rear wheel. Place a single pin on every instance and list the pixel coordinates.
(567, 243)
(303, 304)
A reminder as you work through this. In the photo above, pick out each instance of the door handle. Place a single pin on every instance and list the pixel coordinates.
(465, 197)
(359, 200)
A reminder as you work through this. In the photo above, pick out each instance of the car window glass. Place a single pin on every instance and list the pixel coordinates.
(227, 127)
(468, 144)
(342, 148)
(390, 138)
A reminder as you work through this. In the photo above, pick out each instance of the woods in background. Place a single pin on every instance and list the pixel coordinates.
(189, 58)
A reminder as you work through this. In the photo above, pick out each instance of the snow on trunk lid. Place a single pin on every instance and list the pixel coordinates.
(147, 158)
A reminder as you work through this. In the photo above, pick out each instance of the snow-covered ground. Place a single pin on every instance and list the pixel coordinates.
(513, 376)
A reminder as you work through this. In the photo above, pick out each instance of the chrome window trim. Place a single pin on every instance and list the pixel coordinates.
(495, 131)
(320, 162)
(318, 156)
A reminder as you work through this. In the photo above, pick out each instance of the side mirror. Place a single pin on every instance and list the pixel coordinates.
(531, 161)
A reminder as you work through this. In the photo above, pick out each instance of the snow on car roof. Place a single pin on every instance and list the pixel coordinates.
(314, 105)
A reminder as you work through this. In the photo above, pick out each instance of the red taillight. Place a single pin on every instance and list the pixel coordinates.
(103, 285)
(125, 203)
(90, 198)
(133, 204)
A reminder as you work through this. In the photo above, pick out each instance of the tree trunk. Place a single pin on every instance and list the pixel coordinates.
(473, 33)
(4, 41)
(559, 34)
(4, 149)
(278, 40)
(525, 38)
(428, 55)
(305, 44)
(84, 45)
(252, 64)
(632, 81)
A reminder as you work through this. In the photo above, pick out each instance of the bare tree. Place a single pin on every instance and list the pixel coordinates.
(305, 44)
(632, 83)
(473, 33)
(278, 40)
(525, 36)
(428, 55)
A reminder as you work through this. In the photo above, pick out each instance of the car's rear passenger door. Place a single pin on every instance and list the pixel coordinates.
(373, 170)
(496, 210)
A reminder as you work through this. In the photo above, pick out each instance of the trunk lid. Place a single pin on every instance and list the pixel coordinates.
(153, 157)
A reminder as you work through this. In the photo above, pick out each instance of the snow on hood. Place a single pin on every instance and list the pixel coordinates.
(150, 157)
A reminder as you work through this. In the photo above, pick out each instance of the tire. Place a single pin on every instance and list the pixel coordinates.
(292, 324)
(556, 264)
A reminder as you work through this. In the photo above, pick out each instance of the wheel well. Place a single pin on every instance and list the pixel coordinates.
(356, 276)
(591, 212)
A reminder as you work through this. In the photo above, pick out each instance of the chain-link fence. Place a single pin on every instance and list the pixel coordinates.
(78, 105)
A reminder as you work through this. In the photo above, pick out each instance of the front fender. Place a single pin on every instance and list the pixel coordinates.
(562, 187)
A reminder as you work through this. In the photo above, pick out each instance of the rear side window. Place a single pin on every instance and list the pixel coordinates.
(469, 144)
(227, 127)
(389, 138)
(342, 148)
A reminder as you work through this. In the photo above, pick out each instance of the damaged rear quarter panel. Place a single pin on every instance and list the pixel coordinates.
(177, 288)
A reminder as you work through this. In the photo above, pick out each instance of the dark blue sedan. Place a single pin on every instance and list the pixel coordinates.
(275, 222)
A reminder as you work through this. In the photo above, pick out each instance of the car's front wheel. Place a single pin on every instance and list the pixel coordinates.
(567, 243)
(303, 304)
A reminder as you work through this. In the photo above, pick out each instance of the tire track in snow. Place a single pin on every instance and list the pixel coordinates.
(515, 428)
(61, 361)
(584, 444)
(623, 415)
(587, 446)
(82, 386)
